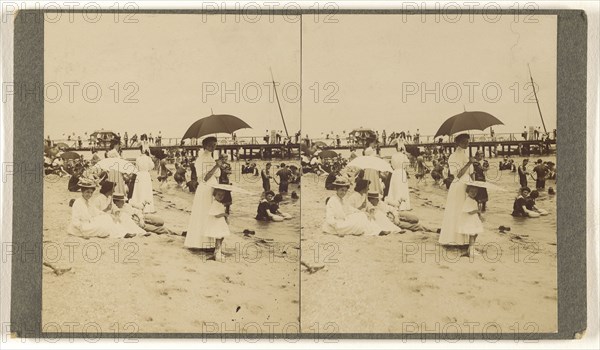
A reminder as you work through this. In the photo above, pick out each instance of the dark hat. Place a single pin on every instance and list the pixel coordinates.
(373, 195)
(118, 197)
(461, 137)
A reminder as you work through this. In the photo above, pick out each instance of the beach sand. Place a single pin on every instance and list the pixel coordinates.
(407, 283)
(154, 284)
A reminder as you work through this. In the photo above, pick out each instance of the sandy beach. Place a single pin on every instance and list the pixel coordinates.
(153, 284)
(407, 283)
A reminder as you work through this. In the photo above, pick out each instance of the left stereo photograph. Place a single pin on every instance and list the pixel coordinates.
(171, 173)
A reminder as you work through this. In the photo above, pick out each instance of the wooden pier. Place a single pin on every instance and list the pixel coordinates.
(500, 147)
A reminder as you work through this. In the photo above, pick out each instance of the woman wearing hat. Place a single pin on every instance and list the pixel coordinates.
(399, 192)
(87, 220)
(208, 171)
(114, 175)
(142, 191)
(371, 174)
(342, 219)
(123, 217)
(460, 165)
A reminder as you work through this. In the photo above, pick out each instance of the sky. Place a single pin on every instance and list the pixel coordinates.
(383, 65)
(178, 68)
(391, 72)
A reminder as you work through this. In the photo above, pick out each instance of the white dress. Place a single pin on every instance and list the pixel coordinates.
(342, 219)
(399, 182)
(142, 191)
(381, 218)
(114, 175)
(216, 227)
(470, 224)
(457, 193)
(196, 231)
(122, 218)
(373, 175)
(88, 221)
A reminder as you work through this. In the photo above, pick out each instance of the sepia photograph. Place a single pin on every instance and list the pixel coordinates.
(171, 173)
(306, 173)
(429, 174)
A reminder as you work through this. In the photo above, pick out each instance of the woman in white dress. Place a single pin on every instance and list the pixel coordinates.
(342, 219)
(399, 192)
(208, 171)
(143, 195)
(124, 218)
(460, 165)
(114, 175)
(371, 174)
(87, 220)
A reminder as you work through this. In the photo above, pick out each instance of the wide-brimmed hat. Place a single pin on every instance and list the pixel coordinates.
(86, 183)
(118, 197)
(341, 182)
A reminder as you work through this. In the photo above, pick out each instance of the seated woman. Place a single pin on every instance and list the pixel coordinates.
(87, 220)
(274, 207)
(263, 212)
(530, 203)
(124, 218)
(378, 210)
(358, 197)
(342, 219)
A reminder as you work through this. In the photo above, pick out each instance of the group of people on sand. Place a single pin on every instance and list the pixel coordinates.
(378, 204)
(124, 204)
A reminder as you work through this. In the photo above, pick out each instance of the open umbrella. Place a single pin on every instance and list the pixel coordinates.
(118, 164)
(474, 120)
(370, 162)
(61, 145)
(213, 124)
(70, 155)
(328, 154)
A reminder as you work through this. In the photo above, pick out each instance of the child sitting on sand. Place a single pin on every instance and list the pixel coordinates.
(530, 203)
(217, 223)
(471, 221)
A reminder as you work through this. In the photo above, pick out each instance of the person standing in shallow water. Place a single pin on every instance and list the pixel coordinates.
(208, 171)
(461, 166)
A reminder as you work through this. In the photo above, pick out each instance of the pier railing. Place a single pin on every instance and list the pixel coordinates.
(345, 140)
(167, 142)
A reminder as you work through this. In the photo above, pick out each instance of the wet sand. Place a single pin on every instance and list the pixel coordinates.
(407, 283)
(153, 284)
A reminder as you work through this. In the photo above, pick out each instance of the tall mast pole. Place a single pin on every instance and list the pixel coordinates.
(536, 99)
(279, 104)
